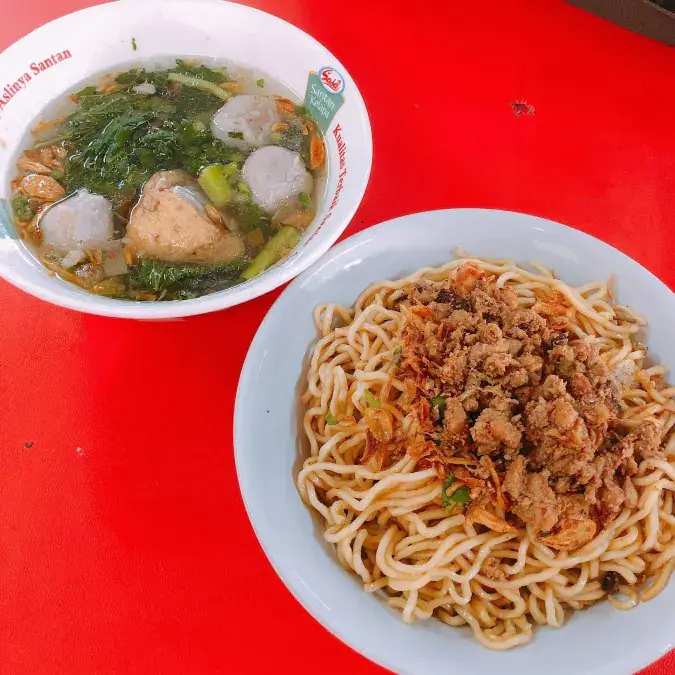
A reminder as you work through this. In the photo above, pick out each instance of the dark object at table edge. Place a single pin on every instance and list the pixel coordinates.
(642, 16)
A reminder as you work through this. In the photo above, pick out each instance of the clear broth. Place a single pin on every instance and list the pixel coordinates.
(112, 136)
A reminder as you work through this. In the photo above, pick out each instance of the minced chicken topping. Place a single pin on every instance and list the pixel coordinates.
(511, 405)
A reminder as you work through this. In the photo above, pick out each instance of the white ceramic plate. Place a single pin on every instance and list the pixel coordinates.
(61, 55)
(599, 641)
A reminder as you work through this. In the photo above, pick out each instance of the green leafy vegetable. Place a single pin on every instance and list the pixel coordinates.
(279, 245)
(109, 135)
(121, 139)
(195, 156)
(131, 77)
(157, 146)
(236, 134)
(134, 47)
(87, 91)
(461, 495)
(439, 403)
(305, 201)
(22, 208)
(192, 131)
(251, 216)
(157, 275)
(260, 82)
(331, 419)
(371, 400)
(215, 75)
(192, 103)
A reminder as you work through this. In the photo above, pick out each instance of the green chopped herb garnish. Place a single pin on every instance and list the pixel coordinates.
(260, 82)
(133, 44)
(439, 402)
(461, 495)
(305, 201)
(236, 134)
(372, 400)
(445, 497)
(331, 419)
(158, 275)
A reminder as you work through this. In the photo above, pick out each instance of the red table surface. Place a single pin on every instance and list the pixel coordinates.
(124, 545)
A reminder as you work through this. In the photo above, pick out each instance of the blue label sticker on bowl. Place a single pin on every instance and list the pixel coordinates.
(324, 95)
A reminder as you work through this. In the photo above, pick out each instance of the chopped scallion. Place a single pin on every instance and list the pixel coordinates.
(462, 495)
(439, 402)
(372, 400)
(445, 497)
(305, 201)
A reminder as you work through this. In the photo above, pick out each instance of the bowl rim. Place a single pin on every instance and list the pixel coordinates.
(266, 282)
(302, 593)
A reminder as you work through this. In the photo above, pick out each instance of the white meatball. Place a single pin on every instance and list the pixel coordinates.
(247, 116)
(276, 175)
(84, 220)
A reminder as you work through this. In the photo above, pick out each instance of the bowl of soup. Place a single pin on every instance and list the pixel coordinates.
(166, 158)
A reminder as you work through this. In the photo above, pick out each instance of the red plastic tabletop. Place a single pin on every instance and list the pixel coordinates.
(124, 544)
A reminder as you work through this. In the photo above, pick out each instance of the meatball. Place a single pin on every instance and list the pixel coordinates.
(81, 221)
(168, 223)
(245, 121)
(275, 176)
